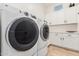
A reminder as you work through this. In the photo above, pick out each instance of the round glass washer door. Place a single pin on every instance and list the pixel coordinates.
(44, 32)
(23, 34)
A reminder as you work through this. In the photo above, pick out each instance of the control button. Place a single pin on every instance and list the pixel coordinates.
(33, 16)
(26, 13)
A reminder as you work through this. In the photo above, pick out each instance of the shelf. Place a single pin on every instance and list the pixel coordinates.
(63, 24)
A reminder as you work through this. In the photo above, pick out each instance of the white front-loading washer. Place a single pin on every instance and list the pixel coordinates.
(19, 33)
(44, 37)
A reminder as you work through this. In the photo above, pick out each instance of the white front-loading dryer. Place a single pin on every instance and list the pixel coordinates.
(44, 38)
(19, 33)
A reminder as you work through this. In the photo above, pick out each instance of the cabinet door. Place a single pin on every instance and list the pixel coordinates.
(55, 14)
(56, 17)
(78, 16)
(71, 41)
(70, 15)
(57, 39)
(59, 17)
(50, 17)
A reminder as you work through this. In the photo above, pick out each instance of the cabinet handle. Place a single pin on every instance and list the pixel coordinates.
(78, 12)
(65, 21)
(69, 35)
(61, 38)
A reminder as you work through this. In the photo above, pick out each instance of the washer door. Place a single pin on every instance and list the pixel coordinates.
(23, 34)
(44, 33)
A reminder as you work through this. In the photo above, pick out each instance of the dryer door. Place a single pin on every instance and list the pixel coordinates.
(44, 32)
(23, 34)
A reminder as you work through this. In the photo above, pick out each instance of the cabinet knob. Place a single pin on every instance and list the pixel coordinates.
(61, 38)
(69, 35)
(65, 21)
(78, 12)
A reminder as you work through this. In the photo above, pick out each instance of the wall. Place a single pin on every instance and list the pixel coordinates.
(33, 8)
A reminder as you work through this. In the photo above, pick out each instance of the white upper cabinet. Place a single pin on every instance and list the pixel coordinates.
(70, 13)
(56, 14)
(62, 13)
